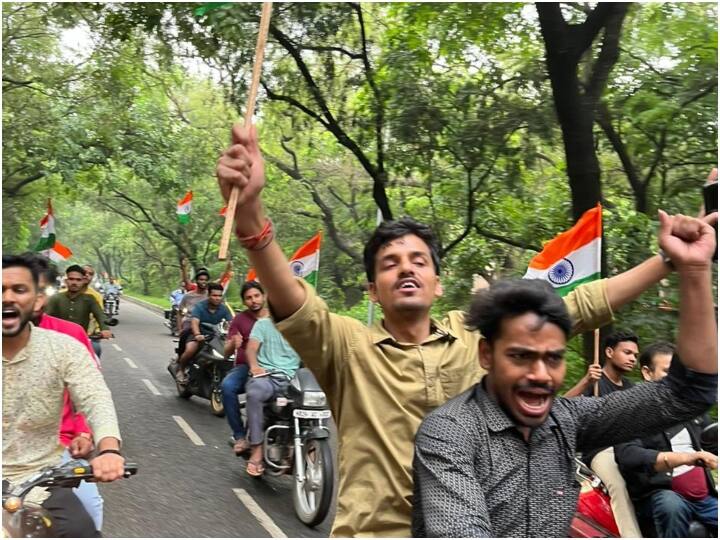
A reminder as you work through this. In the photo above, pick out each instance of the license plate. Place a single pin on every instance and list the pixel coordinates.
(304, 413)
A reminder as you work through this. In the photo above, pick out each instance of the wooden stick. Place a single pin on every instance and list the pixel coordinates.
(596, 359)
(250, 109)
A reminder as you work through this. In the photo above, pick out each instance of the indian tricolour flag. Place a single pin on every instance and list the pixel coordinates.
(572, 257)
(47, 244)
(304, 263)
(184, 207)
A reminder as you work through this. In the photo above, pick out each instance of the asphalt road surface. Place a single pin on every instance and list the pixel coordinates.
(189, 482)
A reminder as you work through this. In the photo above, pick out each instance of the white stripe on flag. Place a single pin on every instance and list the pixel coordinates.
(584, 263)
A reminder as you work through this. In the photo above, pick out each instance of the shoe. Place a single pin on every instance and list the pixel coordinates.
(255, 468)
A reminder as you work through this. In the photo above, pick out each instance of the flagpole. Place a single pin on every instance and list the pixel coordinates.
(596, 334)
(250, 109)
(317, 272)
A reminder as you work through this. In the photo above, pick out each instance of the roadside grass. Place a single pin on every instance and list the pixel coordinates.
(158, 301)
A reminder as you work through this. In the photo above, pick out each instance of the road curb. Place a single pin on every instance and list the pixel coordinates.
(144, 304)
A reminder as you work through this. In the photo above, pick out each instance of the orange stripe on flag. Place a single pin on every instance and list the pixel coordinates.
(62, 250)
(251, 275)
(308, 248)
(186, 199)
(587, 229)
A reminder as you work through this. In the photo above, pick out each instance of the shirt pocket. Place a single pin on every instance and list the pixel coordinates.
(455, 381)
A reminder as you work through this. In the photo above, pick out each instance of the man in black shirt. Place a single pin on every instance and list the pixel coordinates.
(498, 460)
(621, 353)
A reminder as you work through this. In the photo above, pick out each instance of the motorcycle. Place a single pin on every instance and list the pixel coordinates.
(207, 369)
(594, 516)
(171, 318)
(22, 519)
(296, 441)
(111, 301)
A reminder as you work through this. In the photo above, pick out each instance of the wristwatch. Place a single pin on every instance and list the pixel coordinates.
(667, 260)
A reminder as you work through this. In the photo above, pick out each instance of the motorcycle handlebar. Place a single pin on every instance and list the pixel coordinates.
(68, 474)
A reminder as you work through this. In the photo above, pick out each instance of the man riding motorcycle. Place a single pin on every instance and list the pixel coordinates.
(38, 365)
(210, 311)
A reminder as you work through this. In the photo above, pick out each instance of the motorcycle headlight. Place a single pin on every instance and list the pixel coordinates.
(314, 399)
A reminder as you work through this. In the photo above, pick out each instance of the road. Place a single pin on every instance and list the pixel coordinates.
(189, 483)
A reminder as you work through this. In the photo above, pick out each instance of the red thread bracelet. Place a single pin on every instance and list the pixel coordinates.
(258, 241)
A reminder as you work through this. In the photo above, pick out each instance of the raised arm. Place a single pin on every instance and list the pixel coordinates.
(690, 243)
(242, 165)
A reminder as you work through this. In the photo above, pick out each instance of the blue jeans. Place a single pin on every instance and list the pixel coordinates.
(89, 496)
(232, 385)
(671, 513)
(96, 347)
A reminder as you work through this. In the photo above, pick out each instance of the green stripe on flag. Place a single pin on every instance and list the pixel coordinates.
(210, 6)
(311, 278)
(45, 242)
(562, 291)
(184, 218)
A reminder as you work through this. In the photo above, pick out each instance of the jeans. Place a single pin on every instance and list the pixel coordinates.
(89, 496)
(671, 513)
(260, 390)
(232, 385)
(96, 347)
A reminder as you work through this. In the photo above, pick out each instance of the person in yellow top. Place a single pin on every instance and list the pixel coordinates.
(383, 380)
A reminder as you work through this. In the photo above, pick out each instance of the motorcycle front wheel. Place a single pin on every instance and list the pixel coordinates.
(312, 497)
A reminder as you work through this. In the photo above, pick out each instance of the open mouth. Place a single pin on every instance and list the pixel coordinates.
(10, 316)
(534, 402)
(408, 285)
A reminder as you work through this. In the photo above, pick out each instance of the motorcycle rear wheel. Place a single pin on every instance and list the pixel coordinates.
(312, 498)
(216, 403)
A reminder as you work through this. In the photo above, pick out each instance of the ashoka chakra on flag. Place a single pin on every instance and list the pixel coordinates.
(561, 273)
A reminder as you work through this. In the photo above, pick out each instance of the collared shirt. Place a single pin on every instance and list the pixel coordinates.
(476, 476)
(33, 384)
(202, 313)
(380, 390)
(77, 309)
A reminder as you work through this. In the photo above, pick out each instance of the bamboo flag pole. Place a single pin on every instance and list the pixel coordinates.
(250, 108)
(596, 359)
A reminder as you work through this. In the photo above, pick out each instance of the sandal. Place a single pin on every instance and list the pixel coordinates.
(255, 468)
(241, 446)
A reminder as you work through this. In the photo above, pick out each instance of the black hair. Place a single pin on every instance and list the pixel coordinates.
(659, 347)
(202, 272)
(45, 267)
(214, 287)
(25, 260)
(75, 268)
(250, 285)
(618, 337)
(388, 231)
(512, 298)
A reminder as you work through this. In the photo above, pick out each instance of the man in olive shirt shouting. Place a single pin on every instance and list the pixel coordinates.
(76, 306)
(383, 380)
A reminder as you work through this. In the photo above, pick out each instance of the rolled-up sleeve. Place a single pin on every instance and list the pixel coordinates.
(448, 501)
(589, 307)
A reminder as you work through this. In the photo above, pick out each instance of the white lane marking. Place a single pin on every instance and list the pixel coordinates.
(117, 347)
(259, 513)
(188, 431)
(130, 362)
(151, 387)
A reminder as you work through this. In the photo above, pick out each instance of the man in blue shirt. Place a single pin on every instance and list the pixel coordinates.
(211, 311)
(273, 363)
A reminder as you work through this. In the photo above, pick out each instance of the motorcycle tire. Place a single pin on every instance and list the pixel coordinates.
(216, 403)
(312, 505)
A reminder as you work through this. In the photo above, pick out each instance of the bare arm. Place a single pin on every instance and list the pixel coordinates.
(594, 373)
(690, 243)
(626, 287)
(667, 461)
(241, 165)
(251, 352)
(195, 326)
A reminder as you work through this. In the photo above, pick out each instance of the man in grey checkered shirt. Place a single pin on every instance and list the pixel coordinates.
(498, 460)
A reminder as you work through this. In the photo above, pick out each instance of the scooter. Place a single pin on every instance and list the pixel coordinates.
(21, 519)
(207, 369)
